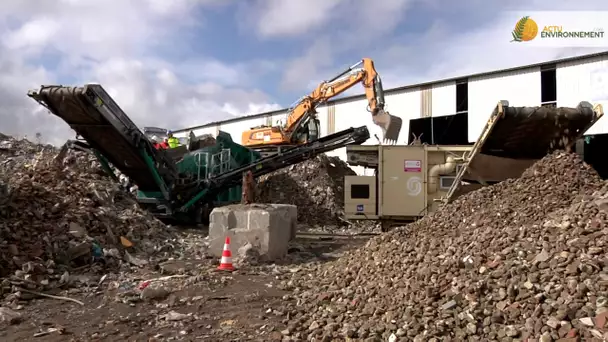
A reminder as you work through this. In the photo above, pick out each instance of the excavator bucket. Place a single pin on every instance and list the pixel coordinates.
(390, 124)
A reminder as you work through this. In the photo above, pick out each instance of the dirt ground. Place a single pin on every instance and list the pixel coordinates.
(200, 304)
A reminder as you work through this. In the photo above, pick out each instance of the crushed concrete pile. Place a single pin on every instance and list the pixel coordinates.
(68, 214)
(316, 186)
(525, 259)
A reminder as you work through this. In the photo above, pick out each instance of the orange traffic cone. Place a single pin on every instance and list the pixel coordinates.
(226, 261)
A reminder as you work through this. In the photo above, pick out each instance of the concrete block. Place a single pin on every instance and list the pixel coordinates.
(267, 227)
(292, 212)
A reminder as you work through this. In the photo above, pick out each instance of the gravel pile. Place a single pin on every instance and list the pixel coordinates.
(68, 213)
(316, 186)
(525, 259)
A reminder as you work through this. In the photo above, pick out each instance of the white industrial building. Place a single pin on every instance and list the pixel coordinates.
(461, 104)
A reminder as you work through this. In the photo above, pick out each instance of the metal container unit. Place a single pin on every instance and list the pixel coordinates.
(408, 183)
(412, 180)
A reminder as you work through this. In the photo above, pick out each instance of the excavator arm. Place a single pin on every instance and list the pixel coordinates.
(302, 116)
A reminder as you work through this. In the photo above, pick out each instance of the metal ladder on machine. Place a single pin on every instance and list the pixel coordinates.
(212, 165)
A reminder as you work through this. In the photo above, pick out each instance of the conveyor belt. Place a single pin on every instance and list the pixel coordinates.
(92, 113)
(533, 132)
(291, 156)
(300, 153)
(266, 151)
(515, 137)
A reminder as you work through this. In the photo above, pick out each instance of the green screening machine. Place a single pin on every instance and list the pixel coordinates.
(181, 184)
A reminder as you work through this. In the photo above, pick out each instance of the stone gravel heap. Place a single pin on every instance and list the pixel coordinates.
(67, 213)
(316, 186)
(522, 260)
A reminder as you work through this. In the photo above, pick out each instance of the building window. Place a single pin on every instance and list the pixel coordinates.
(462, 96)
(548, 86)
(359, 191)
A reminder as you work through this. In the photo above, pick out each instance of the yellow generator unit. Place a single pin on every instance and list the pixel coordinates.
(408, 182)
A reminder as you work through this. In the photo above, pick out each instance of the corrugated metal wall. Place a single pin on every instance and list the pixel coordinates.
(576, 81)
(330, 119)
(236, 128)
(324, 118)
(520, 88)
(280, 117)
(198, 132)
(444, 99)
(346, 115)
(426, 101)
(407, 105)
(584, 80)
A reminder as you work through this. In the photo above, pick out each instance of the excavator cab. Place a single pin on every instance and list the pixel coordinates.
(314, 127)
(310, 131)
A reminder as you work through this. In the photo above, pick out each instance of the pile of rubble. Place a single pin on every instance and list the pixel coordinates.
(67, 213)
(316, 186)
(523, 259)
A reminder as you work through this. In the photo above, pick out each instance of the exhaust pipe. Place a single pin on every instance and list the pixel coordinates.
(390, 124)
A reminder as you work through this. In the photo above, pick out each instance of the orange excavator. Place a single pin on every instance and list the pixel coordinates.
(302, 124)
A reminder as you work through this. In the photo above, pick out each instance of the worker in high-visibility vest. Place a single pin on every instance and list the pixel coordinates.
(173, 141)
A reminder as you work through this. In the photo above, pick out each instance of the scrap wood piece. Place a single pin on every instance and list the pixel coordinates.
(52, 296)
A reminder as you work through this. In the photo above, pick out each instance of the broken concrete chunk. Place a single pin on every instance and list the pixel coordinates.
(420, 277)
(9, 316)
(588, 321)
(175, 316)
(77, 230)
(154, 293)
(542, 256)
(449, 305)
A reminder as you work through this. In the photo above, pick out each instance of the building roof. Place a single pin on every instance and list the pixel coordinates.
(402, 88)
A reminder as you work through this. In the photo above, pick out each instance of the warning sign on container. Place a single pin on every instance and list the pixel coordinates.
(412, 166)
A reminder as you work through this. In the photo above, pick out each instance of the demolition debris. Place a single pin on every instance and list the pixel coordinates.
(525, 258)
(315, 186)
(67, 213)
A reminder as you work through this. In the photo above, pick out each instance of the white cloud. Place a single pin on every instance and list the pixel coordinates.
(348, 25)
(18, 114)
(279, 18)
(448, 47)
(441, 54)
(336, 27)
(36, 33)
(118, 43)
(160, 99)
(115, 43)
(302, 70)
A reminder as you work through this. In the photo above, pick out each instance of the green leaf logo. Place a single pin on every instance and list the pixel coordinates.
(518, 32)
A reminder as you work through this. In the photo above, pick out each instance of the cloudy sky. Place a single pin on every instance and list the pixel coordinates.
(186, 62)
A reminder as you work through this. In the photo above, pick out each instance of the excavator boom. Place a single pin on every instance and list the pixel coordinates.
(302, 124)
